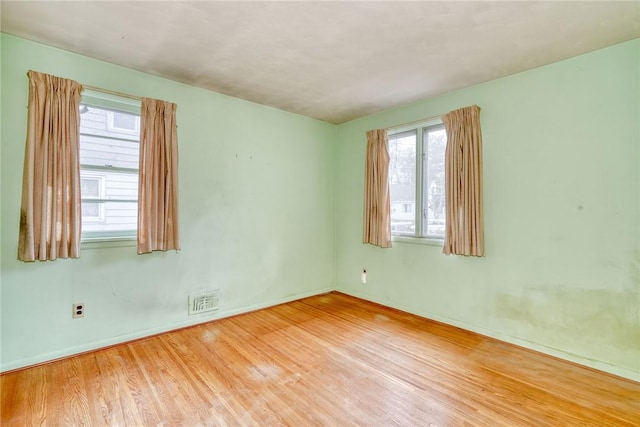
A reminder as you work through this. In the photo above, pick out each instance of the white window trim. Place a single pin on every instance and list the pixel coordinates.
(111, 103)
(415, 240)
(103, 243)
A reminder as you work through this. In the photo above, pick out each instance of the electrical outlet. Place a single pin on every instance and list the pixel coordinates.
(78, 310)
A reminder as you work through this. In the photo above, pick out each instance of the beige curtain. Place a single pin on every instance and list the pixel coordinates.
(377, 210)
(50, 212)
(158, 182)
(464, 234)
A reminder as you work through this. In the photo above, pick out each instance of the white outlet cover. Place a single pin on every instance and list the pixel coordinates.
(78, 310)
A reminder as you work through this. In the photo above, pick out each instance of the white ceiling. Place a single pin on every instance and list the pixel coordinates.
(331, 60)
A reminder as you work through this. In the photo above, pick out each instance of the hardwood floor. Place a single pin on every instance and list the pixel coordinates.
(329, 360)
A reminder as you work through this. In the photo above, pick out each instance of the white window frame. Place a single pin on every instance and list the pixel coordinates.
(111, 103)
(419, 235)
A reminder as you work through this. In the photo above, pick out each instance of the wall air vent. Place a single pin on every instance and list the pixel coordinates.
(203, 302)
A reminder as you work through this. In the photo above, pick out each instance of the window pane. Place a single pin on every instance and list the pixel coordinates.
(109, 172)
(120, 185)
(124, 121)
(435, 141)
(118, 216)
(100, 151)
(402, 182)
(90, 187)
(112, 189)
(90, 211)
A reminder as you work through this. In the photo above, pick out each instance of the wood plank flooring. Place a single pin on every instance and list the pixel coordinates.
(329, 360)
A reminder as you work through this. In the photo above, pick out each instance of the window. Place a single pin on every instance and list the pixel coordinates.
(92, 188)
(123, 122)
(109, 153)
(416, 181)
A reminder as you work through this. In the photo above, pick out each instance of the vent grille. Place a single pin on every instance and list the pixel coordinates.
(203, 302)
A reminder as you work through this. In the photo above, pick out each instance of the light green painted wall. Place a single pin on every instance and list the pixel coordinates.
(562, 208)
(562, 215)
(252, 180)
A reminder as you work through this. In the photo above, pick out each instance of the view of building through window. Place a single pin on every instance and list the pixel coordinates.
(402, 181)
(109, 153)
(416, 181)
(435, 142)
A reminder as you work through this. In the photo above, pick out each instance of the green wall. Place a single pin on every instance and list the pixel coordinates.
(271, 208)
(256, 205)
(562, 215)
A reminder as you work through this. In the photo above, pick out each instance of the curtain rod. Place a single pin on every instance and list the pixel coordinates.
(99, 89)
(413, 122)
(112, 92)
(439, 116)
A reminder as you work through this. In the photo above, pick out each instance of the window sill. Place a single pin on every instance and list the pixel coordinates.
(108, 242)
(417, 240)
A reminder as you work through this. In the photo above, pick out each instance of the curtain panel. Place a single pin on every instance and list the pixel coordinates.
(377, 205)
(464, 234)
(50, 211)
(158, 181)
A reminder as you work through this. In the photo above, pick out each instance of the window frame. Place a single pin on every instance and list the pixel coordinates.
(110, 103)
(419, 235)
